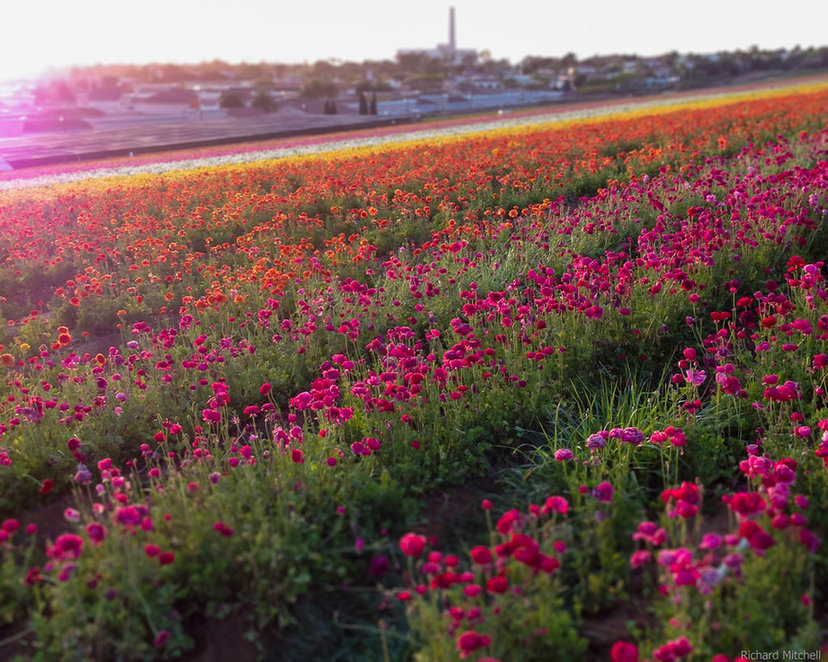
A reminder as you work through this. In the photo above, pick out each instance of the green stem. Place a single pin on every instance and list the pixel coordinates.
(18, 636)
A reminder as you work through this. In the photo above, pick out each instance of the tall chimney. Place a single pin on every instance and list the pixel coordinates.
(452, 40)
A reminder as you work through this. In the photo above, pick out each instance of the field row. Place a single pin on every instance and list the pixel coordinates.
(247, 387)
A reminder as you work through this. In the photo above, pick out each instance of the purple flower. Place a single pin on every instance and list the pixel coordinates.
(632, 436)
(596, 441)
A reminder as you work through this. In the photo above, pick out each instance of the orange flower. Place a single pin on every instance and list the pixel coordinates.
(7, 360)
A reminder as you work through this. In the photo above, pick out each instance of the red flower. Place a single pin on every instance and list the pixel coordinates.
(481, 555)
(10, 525)
(33, 576)
(223, 529)
(498, 584)
(165, 558)
(46, 486)
(412, 544)
(152, 550)
(470, 641)
(161, 638)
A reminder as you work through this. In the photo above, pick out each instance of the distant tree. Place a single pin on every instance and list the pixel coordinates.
(324, 69)
(174, 73)
(569, 60)
(330, 107)
(230, 100)
(263, 101)
(317, 88)
(363, 104)
(54, 92)
(373, 108)
(365, 85)
(412, 63)
(426, 82)
(531, 63)
(247, 71)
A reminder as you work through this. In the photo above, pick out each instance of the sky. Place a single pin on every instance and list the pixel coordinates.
(58, 33)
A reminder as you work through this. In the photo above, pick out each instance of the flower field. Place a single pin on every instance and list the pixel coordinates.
(468, 397)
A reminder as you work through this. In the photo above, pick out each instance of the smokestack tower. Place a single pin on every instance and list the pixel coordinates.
(452, 44)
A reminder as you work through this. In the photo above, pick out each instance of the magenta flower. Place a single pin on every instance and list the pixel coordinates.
(96, 533)
(603, 492)
(623, 651)
(556, 504)
(710, 541)
(596, 441)
(211, 416)
(412, 544)
(640, 558)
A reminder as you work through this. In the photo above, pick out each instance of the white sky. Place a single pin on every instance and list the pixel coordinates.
(36, 34)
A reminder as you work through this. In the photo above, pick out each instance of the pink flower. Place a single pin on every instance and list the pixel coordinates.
(297, 456)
